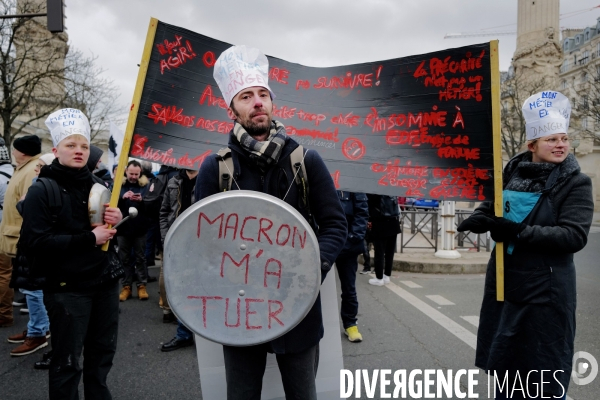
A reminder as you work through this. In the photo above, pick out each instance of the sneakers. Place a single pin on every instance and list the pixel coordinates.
(20, 337)
(142, 293)
(30, 345)
(365, 271)
(5, 323)
(376, 282)
(125, 293)
(24, 310)
(353, 334)
(19, 302)
(386, 279)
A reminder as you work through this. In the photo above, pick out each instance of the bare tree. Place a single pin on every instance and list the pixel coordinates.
(39, 74)
(585, 114)
(516, 87)
(92, 93)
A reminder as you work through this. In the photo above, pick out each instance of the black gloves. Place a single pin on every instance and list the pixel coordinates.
(477, 223)
(505, 230)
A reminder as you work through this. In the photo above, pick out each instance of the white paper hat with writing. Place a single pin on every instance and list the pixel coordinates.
(241, 67)
(67, 122)
(546, 113)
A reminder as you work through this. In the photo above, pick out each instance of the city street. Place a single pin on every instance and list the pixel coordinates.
(419, 321)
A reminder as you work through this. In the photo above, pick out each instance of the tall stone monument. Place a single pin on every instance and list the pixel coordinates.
(538, 50)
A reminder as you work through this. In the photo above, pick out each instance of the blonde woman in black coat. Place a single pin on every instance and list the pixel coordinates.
(548, 210)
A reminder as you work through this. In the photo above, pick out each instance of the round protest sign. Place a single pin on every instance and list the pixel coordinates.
(241, 268)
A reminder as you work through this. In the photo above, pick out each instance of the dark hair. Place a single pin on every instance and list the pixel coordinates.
(134, 163)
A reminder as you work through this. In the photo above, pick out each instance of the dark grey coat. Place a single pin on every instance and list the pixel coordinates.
(534, 328)
(171, 205)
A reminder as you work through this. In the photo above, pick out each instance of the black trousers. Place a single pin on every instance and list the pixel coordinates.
(82, 322)
(384, 255)
(245, 367)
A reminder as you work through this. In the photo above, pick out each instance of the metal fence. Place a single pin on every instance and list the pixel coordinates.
(422, 226)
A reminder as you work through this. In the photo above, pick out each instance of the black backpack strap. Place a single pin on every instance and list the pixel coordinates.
(301, 179)
(54, 197)
(225, 169)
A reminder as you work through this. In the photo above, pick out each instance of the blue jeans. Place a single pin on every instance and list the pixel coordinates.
(245, 367)
(346, 266)
(183, 333)
(38, 323)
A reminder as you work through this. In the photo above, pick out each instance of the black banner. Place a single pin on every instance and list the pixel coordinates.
(418, 126)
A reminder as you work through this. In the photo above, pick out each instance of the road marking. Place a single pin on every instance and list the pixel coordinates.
(451, 326)
(411, 284)
(442, 301)
(472, 319)
(454, 328)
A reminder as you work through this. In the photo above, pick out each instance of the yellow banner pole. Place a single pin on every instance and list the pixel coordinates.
(497, 146)
(133, 111)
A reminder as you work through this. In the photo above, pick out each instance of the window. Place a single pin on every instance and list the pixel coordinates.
(563, 84)
(584, 123)
(585, 58)
(584, 77)
(566, 46)
(584, 102)
(576, 40)
(587, 36)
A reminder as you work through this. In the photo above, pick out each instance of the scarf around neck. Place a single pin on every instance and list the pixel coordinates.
(263, 153)
(68, 177)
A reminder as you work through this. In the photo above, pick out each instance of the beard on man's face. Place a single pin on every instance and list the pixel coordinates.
(253, 128)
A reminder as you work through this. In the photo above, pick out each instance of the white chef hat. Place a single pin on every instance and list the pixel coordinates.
(67, 122)
(546, 113)
(241, 67)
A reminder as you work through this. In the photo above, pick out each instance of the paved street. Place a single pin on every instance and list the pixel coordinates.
(419, 321)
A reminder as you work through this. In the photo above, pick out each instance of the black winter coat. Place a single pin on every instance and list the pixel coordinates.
(534, 328)
(325, 207)
(171, 206)
(356, 209)
(139, 225)
(63, 255)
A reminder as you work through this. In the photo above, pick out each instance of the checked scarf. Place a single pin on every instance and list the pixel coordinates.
(263, 153)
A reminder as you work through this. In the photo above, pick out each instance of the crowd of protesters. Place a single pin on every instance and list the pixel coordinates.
(52, 253)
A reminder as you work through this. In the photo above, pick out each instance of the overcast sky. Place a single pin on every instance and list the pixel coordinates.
(316, 33)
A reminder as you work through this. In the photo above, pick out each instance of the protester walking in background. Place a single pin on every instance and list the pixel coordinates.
(356, 209)
(6, 293)
(179, 195)
(548, 211)
(39, 325)
(26, 151)
(384, 228)
(132, 233)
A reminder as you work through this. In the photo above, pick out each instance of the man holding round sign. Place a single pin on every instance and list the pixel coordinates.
(260, 153)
